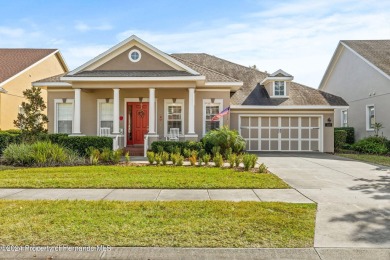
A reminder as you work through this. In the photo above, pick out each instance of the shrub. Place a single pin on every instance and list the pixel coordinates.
(247, 160)
(232, 158)
(372, 145)
(193, 158)
(150, 156)
(160, 149)
(157, 158)
(218, 160)
(127, 157)
(186, 153)
(253, 160)
(105, 155)
(238, 160)
(175, 158)
(79, 144)
(94, 155)
(215, 150)
(7, 139)
(340, 137)
(180, 160)
(173, 147)
(228, 152)
(350, 134)
(224, 138)
(164, 157)
(115, 156)
(206, 159)
(263, 168)
(39, 154)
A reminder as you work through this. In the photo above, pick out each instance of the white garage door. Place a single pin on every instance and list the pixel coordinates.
(281, 133)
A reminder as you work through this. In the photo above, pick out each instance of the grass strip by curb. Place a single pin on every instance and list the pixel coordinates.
(173, 224)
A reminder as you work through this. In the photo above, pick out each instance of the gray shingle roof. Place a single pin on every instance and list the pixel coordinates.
(131, 73)
(252, 93)
(55, 78)
(375, 51)
(13, 61)
(211, 75)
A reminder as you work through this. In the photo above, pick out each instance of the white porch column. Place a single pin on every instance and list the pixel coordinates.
(115, 129)
(191, 111)
(152, 111)
(77, 112)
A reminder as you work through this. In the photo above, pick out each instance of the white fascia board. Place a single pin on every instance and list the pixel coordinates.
(189, 78)
(286, 107)
(276, 79)
(63, 61)
(51, 84)
(124, 42)
(29, 67)
(224, 84)
(365, 60)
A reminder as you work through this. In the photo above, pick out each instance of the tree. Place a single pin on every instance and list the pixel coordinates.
(31, 120)
(377, 128)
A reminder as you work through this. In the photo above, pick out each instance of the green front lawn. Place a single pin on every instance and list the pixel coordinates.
(164, 224)
(377, 159)
(136, 177)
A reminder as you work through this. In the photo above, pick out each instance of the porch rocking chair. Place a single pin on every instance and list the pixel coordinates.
(173, 134)
(105, 131)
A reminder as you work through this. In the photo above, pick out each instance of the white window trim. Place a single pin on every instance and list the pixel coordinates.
(342, 117)
(208, 102)
(100, 101)
(168, 102)
(60, 101)
(273, 89)
(139, 55)
(368, 128)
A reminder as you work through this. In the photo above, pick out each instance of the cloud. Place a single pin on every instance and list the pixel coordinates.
(299, 38)
(83, 27)
(76, 56)
(11, 32)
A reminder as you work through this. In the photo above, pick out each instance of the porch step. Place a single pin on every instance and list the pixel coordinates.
(135, 150)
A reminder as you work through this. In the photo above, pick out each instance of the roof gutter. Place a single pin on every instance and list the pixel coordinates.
(287, 107)
(83, 79)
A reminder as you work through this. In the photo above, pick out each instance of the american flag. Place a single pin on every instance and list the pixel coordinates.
(221, 114)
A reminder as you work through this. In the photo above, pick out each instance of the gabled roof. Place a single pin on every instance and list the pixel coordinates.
(377, 52)
(252, 93)
(15, 61)
(280, 73)
(127, 41)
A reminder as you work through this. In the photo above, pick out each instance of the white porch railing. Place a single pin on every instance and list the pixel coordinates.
(117, 142)
(145, 145)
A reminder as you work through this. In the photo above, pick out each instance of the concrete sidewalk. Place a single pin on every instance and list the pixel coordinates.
(208, 253)
(281, 195)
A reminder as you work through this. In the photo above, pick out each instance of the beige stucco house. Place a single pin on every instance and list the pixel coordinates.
(139, 94)
(359, 71)
(18, 69)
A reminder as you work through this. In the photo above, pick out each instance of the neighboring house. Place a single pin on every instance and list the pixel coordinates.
(18, 69)
(359, 71)
(139, 93)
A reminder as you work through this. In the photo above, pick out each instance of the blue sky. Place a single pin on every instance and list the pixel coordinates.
(296, 36)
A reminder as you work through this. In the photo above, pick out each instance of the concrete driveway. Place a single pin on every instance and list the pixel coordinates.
(353, 197)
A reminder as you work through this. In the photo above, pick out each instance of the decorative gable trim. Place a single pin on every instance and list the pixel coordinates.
(140, 44)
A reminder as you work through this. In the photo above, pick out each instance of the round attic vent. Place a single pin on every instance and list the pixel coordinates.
(134, 55)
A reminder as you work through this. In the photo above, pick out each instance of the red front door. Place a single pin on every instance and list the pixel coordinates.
(137, 122)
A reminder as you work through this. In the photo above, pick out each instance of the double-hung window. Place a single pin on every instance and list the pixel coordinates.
(210, 109)
(64, 116)
(370, 117)
(344, 118)
(105, 115)
(174, 115)
(279, 88)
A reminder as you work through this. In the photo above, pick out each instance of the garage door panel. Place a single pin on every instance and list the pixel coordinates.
(264, 121)
(275, 121)
(254, 121)
(281, 133)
